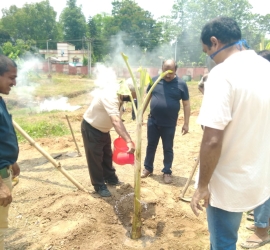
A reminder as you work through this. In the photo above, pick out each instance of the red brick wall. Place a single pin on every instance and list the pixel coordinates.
(195, 73)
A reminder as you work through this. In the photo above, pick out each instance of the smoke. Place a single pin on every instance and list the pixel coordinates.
(109, 74)
(27, 83)
(60, 103)
(137, 57)
(106, 80)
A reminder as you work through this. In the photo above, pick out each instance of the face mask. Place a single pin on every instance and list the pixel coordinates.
(126, 98)
(210, 63)
(240, 44)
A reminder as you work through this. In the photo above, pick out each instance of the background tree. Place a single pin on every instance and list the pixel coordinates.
(138, 25)
(191, 15)
(20, 48)
(73, 24)
(35, 21)
(4, 36)
(99, 35)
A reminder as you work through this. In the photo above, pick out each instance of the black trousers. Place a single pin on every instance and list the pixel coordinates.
(98, 153)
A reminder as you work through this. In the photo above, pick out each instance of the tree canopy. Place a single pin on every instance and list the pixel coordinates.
(128, 28)
(35, 21)
(73, 23)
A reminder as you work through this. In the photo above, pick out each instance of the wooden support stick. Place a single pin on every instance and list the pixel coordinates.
(79, 153)
(190, 177)
(46, 155)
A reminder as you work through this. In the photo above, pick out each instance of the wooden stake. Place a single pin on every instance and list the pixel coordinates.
(46, 155)
(79, 153)
(189, 179)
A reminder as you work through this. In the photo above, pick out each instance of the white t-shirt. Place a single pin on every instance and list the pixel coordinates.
(237, 100)
(101, 108)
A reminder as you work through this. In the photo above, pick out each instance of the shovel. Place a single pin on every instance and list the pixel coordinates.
(182, 196)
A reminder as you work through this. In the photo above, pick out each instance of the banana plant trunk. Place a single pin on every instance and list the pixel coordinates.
(145, 79)
(136, 232)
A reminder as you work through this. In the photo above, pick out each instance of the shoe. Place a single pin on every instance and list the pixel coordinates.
(146, 173)
(114, 181)
(167, 178)
(102, 190)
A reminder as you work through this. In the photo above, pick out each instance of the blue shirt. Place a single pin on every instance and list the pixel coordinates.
(9, 149)
(165, 101)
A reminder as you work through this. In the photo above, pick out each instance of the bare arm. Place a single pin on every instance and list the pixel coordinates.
(121, 130)
(15, 170)
(209, 156)
(186, 107)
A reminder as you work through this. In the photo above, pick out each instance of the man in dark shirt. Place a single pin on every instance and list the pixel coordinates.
(164, 109)
(9, 149)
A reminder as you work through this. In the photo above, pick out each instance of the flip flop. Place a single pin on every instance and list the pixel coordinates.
(251, 227)
(250, 217)
(252, 244)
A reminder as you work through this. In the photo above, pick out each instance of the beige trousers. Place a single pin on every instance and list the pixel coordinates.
(4, 215)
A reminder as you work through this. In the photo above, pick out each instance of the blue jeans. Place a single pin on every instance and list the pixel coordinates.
(223, 228)
(262, 215)
(154, 132)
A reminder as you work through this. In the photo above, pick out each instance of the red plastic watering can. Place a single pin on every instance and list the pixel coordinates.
(120, 155)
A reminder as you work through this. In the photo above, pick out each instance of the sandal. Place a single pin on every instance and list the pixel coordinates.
(251, 227)
(252, 244)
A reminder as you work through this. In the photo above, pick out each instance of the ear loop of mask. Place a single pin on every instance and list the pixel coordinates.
(240, 43)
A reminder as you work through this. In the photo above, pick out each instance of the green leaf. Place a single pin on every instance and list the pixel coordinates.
(124, 89)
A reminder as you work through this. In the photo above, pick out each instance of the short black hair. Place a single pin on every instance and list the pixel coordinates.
(175, 64)
(225, 29)
(5, 63)
(265, 54)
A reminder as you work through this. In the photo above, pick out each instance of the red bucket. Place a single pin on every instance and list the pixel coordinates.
(120, 155)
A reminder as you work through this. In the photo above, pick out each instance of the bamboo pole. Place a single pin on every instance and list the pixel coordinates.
(46, 155)
(79, 153)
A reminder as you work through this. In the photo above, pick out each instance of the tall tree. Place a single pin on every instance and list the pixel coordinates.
(4, 36)
(35, 21)
(191, 15)
(99, 36)
(139, 26)
(73, 23)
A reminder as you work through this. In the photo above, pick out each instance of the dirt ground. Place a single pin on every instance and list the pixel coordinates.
(48, 212)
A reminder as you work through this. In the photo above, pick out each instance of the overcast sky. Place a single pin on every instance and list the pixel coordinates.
(92, 7)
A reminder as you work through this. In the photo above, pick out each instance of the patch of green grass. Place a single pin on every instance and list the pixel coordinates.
(41, 129)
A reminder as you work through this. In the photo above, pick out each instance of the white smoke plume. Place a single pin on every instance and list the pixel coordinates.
(60, 103)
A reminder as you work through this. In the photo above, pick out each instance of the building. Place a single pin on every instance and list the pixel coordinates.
(65, 54)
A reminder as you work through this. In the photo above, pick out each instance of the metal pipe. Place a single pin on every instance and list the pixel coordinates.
(49, 70)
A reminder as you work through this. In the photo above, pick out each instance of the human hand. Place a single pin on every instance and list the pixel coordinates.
(5, 194)
(185, 129)
(200, 194)
(131, 147)
(15, 170)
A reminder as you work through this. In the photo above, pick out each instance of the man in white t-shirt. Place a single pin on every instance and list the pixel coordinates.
(234, 155)
(103, 114)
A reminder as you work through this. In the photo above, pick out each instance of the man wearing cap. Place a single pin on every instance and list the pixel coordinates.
(104, 113)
